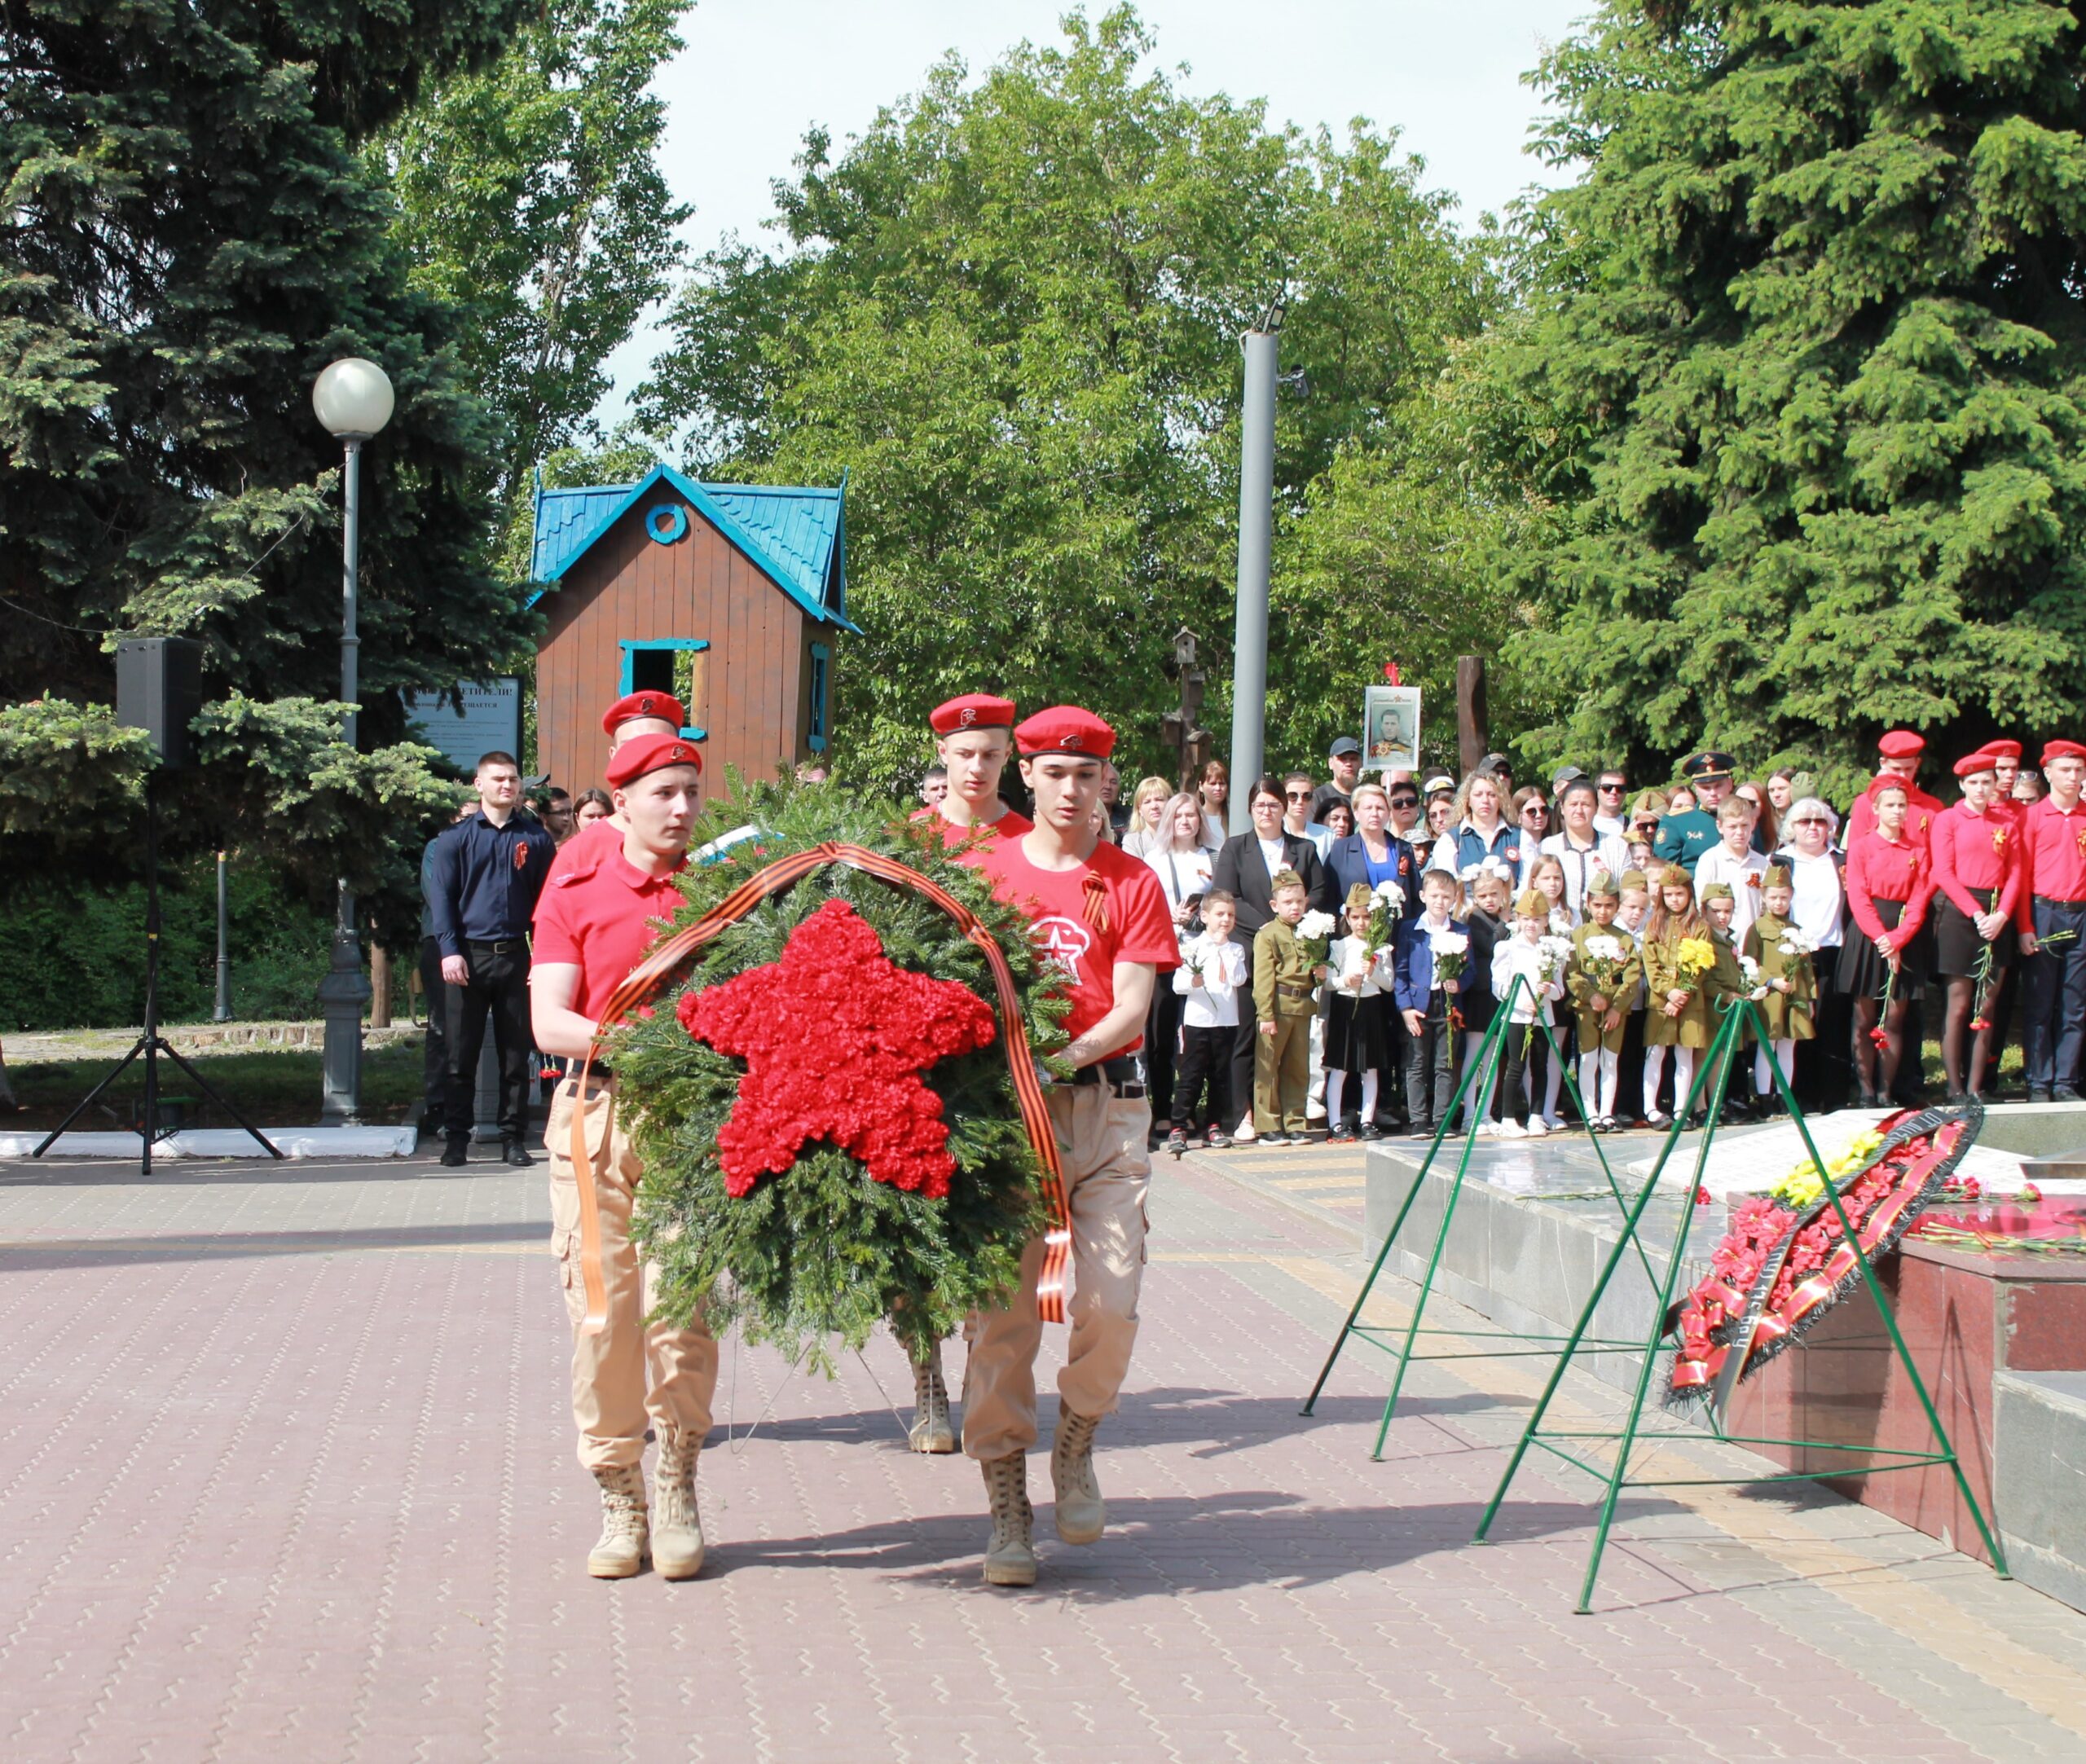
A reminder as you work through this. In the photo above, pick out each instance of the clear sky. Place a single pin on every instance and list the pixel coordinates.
(757, 74)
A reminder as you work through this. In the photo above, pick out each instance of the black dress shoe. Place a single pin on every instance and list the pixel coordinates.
(456, 1152)
(514, 1152)
(2064, 1093)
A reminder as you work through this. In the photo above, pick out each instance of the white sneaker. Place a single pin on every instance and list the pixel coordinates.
(1511, 1130)
(1488, 1130)
(1537, 1128)
(1245, 1135)
(1554, 1123)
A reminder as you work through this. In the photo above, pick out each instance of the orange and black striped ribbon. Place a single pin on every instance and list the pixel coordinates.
(646, 980)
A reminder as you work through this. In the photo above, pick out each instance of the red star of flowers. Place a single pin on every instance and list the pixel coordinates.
(835, 1036)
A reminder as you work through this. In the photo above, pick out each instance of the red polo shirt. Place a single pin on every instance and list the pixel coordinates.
(1976, 852)
(586, 847)
(2053, 856)
(1920, 811)
(1124, 918)
(1010, 825)
(601, 919)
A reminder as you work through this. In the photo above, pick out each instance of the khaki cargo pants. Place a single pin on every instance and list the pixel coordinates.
(611, 1403)
(1101, 1144)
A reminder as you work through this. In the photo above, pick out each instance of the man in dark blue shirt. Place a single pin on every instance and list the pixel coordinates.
(486, 873)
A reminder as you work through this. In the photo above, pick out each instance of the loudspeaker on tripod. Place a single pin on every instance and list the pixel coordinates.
(159, 688)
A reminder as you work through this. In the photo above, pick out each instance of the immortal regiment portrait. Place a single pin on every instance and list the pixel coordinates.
(1390, 718)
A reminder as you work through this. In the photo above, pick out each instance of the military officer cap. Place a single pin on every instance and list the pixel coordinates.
(1711, 763)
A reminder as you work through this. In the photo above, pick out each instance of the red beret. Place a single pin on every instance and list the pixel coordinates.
(1983, 760)
(1066, 729)
(1902, 744)
(1887, 781)
(973, 711)
(2004, 749)
(650, 753)
(661, 705)
(2061, 749)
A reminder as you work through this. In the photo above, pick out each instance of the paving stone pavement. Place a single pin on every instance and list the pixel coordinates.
(286, 1473)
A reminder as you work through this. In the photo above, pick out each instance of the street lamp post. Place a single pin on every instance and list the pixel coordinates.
(354, 400)
(1249, 646)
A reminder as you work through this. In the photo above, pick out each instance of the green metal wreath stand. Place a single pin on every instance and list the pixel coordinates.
(1572, 1446)
(1478, 1074)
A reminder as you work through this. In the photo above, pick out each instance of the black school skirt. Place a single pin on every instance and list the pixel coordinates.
(1957, 948)
(1861, 967)
(1357, 1034)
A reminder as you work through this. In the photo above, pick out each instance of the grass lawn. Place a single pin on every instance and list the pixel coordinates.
(272, 1086)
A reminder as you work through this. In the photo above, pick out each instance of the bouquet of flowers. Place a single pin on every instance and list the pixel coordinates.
(1605, 958)
(1696, 957)
(1556, 953)
(1755, 988)
(1451, 950)
(1314, 933)
(1386, 908)
(1192, 953)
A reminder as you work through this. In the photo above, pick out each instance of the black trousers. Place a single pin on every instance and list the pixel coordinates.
(1429, 1081)
(499, 985)
(1242, 1051)
(1205, 1062)
(434, 1076)
(1162, 1031)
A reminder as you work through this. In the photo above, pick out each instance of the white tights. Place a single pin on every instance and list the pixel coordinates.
(1597, 1081)
(1336, 1082)
(1683, 1075)
(1784, 1057)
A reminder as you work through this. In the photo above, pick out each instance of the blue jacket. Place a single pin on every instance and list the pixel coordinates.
(484, 879)
(1413, 966)
(1346, 862)
(1462, 848)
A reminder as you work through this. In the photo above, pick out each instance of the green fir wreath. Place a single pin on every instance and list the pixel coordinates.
(823, 1253)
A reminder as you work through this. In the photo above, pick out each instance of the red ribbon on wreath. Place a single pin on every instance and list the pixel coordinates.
(646, 980)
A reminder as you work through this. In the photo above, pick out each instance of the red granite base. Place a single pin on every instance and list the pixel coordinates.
(1964, 1316)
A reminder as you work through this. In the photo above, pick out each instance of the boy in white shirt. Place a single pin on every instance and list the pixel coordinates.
(1524, 957)
(1734, 863)
(1212, 969)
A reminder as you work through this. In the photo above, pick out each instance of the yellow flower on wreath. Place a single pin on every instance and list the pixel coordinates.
(1803, 1185)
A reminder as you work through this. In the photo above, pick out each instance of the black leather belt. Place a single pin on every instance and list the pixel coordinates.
(497, 948)
(1125, 1076)
(2068, 906)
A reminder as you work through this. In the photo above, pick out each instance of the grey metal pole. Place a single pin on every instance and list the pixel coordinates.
(223, 1014)
(345, 991)
(1249, 648)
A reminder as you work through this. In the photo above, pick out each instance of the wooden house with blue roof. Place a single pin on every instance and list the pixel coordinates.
(729, 596)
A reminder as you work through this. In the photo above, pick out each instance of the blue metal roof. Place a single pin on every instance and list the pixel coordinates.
(795, 536)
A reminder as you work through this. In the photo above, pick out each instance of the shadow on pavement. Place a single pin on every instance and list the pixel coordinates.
(40, 1256)
(211, 1172)
(1174, 1544)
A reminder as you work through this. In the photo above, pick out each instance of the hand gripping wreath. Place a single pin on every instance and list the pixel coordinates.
(846, 1085)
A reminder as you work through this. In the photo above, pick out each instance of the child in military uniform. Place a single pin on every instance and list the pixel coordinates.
(1785, 970)
(1629, 1064)
(1602, 980)
(1725, 981)
(1284, 1003)
(1679, 1016)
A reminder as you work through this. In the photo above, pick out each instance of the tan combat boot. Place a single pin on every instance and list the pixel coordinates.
(1010, 1555)
(932, 1431)
(1082, 1515)
(622, 1549)
(676, 1525)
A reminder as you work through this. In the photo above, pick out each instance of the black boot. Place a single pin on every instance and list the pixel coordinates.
(457, 1151)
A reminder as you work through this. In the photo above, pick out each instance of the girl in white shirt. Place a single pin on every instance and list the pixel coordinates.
(1357, 1026)
(1522, 955)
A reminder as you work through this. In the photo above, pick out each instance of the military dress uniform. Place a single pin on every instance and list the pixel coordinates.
(1109, 909)
(635, 1374)
(1682, 838)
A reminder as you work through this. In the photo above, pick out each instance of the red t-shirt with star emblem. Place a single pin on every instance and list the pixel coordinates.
(1088, 932)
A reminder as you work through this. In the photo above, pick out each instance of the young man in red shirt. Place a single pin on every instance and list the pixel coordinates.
(1102, 917)
(594, 924)
(1899, 755)
(973, 735)
(2051, 919)
(640, 714)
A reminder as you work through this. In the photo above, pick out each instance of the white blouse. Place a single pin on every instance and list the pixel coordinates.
(1819, 910)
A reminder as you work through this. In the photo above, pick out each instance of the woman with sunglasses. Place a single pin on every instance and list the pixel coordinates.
(1532, 816)
(1824, 1071)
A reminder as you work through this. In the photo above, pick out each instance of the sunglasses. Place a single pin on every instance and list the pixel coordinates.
(1405, 802)
(1538, 810)
(1298, 796)
(1609, 789)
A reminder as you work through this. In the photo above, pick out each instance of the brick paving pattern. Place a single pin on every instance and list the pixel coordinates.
(286, 1473)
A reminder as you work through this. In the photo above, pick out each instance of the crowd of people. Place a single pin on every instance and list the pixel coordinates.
(1863, 938)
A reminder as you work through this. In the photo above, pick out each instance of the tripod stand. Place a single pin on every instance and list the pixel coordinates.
(152, 1044)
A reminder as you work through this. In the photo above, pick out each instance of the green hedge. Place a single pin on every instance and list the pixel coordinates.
(77, 959)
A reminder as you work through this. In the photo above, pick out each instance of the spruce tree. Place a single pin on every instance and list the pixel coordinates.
(1805, 377)
(189, 238)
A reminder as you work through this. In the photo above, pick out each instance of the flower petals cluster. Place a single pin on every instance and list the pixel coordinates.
(835, 1036)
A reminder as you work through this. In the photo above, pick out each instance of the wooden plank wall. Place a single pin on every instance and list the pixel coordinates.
(629, 587)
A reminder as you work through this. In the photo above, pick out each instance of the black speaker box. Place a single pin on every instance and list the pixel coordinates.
(159, 688)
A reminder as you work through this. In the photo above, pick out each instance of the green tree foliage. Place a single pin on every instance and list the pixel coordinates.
(189, 238)
(531, 199)
(1011, 310)
(1803, 373)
